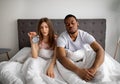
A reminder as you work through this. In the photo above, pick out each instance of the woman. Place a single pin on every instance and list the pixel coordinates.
(43, 58)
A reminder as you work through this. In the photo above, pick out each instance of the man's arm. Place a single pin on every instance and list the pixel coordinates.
(82, 73)
(61, 56)
(99, 56)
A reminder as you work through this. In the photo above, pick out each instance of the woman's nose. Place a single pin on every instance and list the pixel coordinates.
(44, 29)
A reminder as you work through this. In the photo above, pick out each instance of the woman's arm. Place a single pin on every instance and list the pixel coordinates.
(50, 70)
(34, 46)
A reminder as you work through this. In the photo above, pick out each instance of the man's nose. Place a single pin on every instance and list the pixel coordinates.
(70, 25)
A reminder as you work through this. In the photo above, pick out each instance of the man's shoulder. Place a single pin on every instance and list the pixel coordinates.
(81, 31)
(63, 34)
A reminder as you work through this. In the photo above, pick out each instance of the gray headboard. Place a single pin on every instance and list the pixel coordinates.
(96, 27)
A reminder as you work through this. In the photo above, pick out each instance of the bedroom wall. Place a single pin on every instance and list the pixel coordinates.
(118, 53)
(11, 10)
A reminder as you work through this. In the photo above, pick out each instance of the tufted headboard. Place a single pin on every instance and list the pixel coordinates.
(96, 27)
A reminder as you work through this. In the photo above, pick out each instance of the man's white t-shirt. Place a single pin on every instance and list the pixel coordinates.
(83, 38)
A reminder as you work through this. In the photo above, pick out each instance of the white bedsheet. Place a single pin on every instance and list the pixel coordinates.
(12, 72)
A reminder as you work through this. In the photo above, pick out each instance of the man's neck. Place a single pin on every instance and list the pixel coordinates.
(74, 36)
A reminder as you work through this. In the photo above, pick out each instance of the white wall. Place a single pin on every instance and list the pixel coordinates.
(118, 22)
(11, 10)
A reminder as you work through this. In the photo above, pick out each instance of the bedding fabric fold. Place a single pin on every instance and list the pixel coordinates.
(107, 72)
(33, 71)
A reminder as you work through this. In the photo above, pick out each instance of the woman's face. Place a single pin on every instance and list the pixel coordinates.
(44, 29)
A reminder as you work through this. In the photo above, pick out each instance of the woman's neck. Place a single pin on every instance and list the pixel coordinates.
(45, 39)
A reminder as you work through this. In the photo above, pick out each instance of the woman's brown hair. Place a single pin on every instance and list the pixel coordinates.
(51, 31)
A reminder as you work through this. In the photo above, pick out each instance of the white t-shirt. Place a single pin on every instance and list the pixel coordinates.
(83, 38)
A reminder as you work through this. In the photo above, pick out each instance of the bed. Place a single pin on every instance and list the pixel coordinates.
(10, 75)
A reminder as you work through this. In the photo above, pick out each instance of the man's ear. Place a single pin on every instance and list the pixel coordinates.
(78, 24)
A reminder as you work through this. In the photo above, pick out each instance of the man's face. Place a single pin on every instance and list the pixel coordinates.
(71, 25)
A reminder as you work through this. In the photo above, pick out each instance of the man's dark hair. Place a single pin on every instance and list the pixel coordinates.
(69, 15)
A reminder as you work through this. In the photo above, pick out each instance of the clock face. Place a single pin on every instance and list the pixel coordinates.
(35, 39)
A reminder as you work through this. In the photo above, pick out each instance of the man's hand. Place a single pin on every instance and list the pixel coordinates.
(92, 70)
(86, 74)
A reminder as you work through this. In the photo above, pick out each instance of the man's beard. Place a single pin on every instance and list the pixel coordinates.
(72, 32)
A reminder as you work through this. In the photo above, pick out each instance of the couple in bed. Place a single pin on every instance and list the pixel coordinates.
(75, 57)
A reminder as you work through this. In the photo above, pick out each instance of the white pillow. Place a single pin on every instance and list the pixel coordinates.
(22, 55)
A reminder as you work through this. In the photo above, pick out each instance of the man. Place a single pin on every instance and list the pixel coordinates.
(73, 39)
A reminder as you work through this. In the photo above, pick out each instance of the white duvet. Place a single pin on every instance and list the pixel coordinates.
(109, 71)
(28, 70)
(22, 71)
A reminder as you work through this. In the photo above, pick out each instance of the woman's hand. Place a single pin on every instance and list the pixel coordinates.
(50, 72)
(31, 35)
